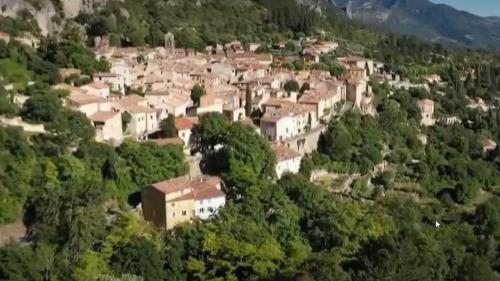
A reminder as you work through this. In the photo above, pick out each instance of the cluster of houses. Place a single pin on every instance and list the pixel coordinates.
(144, 86)
(164, 77)
(162, 80)
(147, 85)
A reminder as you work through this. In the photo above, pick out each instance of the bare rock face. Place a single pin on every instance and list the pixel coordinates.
(50, 20)
(43, 15)
(72, 8)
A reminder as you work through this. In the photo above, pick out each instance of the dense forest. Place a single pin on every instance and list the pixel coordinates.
(75, 194)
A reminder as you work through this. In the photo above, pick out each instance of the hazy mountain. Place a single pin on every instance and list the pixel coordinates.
(436, 22)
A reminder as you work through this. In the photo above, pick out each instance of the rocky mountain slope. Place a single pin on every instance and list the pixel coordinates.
(436, 22)
(49, 14)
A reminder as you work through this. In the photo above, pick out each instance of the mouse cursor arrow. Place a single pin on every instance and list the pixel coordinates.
(437, 224)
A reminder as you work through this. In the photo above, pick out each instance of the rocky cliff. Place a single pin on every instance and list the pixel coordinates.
(49, 17)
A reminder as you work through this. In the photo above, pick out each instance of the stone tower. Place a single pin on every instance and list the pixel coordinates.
(170, 44)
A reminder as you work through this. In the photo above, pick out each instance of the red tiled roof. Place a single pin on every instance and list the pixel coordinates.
(183, 124)
(172, 185)
(82, 99)
(284, 153)
(103, 116)
(97, 85)
(200, 189)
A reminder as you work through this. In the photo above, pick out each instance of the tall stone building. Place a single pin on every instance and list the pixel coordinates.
(170, 44)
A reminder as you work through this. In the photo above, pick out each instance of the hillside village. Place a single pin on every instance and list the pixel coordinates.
(146, 140)
(289, 108)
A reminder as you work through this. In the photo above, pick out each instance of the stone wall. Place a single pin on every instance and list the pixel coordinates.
(18, 122)
(306, 143)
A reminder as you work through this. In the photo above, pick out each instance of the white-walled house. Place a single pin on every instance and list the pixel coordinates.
(176, 201)
(116, 83)
(124, 72)
(98, 89)
(144, 120)
(172, 103)
(208, 202)
(88, 104)
(108, 126)
(426, 108)
(287, 160)
(288, 121)
(184, 128)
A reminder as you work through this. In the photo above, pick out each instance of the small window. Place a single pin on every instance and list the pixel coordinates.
(173, 214)
(210, 209)
(202, 210)
(173, 204)
(184, 213)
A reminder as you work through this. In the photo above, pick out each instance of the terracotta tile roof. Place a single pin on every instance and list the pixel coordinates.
(208, 193)
(131, 103)
(172, 185)
(288, 110)
(202, 190)
(182, 68)
(156, 93)
(83, 99)
(97, 85)
(137, 108)
(284, 153)
(206, 188)
(176, 100)
(183, 124)
(103, 116)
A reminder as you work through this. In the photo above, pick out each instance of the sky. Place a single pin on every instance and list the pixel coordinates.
(479, 7)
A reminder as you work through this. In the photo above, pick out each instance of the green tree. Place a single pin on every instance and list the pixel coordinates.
(168, 126)
(42, 108)
(126, 118)
(196, 93)
(72, 127)
(139, 257)
(291, 86)
(145, 158)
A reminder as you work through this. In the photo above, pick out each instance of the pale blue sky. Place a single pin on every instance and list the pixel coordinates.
(480, 7)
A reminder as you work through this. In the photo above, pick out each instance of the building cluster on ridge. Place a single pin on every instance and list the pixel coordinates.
(150, 84)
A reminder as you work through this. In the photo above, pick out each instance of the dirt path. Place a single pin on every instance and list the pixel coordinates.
(12, 232)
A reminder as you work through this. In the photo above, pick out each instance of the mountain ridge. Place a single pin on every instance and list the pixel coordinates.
(435, 22)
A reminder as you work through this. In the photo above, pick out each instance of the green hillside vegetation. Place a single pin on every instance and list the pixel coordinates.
(13, 71)
(213, 21)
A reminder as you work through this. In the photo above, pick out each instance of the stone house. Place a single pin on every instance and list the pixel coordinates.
(184, 127)
(287, 160)
(98, 89)
(426, 108)
(170, 203)
(113, 80)
(108, 126)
